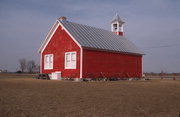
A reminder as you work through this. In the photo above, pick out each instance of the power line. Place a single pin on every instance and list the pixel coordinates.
(162, 46)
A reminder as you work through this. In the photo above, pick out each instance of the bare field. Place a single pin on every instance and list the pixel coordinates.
(28, 97)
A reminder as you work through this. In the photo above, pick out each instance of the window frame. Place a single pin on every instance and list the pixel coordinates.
(115, 27)
(48, 61)
(71, 61)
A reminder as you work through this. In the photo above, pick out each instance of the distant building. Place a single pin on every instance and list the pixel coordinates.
(81, 51)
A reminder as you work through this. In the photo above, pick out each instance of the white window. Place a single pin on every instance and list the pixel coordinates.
(70, 60)
(48, 61)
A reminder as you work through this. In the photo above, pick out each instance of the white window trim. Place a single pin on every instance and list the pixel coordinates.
(45, 66)
(71, 67)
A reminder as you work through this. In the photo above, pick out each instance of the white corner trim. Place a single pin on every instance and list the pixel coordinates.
(48, 37)
(81, 63)
(142, 65)
(41, 63)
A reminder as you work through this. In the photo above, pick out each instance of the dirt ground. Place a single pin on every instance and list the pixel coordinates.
(23, 96)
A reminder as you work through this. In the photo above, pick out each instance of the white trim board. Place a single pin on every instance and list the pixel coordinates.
(69, 33)
(41, 63)
(48, 37)
(81, 63)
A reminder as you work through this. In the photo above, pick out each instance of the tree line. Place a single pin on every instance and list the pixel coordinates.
(28, 66)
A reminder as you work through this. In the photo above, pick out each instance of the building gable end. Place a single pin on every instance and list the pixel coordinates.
(49, 37)
(51, 33)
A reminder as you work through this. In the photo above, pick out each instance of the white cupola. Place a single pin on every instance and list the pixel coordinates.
(117, 25)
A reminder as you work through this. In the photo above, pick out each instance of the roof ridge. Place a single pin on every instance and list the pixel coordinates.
(86, 25)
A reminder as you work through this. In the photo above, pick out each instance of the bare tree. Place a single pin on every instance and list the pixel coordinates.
(37, 68)
(22, 64)
(31, 66)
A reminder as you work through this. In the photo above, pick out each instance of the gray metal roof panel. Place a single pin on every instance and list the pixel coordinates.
(95, 38)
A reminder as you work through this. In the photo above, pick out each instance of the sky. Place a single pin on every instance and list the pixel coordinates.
(152, 25)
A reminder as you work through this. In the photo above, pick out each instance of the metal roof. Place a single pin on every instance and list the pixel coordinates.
(117, 19)
(99, 39)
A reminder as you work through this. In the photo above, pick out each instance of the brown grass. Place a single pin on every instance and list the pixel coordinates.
(27, 97)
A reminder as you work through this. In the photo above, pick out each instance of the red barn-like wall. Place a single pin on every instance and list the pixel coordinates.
(99, 63)
(90, 63)
(60, 43)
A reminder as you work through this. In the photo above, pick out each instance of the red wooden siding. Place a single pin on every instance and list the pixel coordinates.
(60, 43)
(110, 64)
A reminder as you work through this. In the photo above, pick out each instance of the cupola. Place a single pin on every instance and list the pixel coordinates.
(117, 25)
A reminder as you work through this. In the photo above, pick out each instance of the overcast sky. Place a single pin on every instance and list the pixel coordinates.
(153, 25)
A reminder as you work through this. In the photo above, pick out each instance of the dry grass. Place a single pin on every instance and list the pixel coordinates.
(27, 97)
